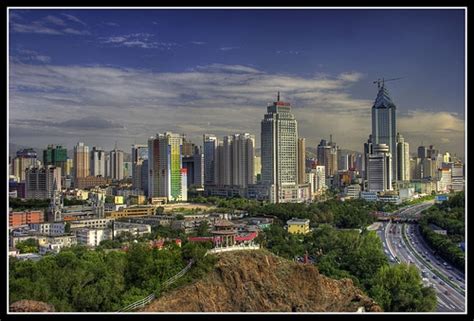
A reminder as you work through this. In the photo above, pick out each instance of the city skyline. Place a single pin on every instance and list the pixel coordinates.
(194, 81)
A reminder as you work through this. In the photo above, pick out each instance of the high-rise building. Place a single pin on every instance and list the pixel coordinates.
(56, 156)
(317, 179)
(301, 160)
(41, 182)
(403, 163)
(139, 155)
(188, 147)
(81, 160)
(328, 156)
(446, 157)
(194, 165)
(24, 159)
(457, 177)
(384, 125)
(210, 144)
(279, 149)
(422, 152)
(97, 162)
(379, 169)
(127, 170)
(144, 177)
(165, 167)
(116, 164)
(69, 167)
(432, 153)
(343, 162)
(368, 150)
(427, 168)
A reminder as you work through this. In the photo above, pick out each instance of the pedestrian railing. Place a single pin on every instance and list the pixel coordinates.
(143, 302)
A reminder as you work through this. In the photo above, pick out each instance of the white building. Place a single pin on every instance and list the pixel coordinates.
(49, 228)
(279, 150)
(352, 191)
(93, 237)
(116, 164)
(97, 162)
(443, 185)
(403, 154)
(379, 169)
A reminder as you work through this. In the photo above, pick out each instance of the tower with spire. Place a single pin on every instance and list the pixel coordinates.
(384, 124)
(56, 204)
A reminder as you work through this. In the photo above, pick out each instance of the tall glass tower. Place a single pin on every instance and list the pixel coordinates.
(384, 125)
(279, 150)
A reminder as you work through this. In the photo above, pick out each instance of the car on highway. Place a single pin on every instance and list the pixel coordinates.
(451, 278)
(462, 286)
(446, 292)
(441, 283)
(459, 279)
(428, 260)
(434, 277)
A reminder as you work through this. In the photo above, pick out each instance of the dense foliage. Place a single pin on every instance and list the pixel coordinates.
(449, 215)
(27, 246)
(398, 288)
(78, 279)
(18, 204)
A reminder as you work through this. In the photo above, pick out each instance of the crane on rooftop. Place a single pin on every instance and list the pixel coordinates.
(383, 80)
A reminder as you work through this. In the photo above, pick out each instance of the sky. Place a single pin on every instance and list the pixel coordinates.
(120, 76)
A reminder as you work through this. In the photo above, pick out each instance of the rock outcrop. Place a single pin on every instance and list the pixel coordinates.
(31, 306)
(258, 281)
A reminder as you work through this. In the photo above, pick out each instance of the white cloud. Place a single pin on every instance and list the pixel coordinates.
(74, 18)
(216, 98)
(228, 48)
(44, 25)
(140, 40)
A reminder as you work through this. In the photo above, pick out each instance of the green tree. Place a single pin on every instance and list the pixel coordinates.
(27, 246)
(159, 210)
(398, 288)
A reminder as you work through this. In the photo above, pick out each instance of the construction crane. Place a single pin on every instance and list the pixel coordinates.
(383, 80)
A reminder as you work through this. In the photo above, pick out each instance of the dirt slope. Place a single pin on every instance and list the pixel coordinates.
(258, 281)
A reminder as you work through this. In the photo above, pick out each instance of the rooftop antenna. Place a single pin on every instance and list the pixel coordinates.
(115, 145)
(278, 96)
(330, 138)
(383, 80)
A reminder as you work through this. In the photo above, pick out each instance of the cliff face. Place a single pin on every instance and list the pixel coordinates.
(258, 281)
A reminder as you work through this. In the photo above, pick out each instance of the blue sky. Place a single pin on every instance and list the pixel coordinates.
(106, 75)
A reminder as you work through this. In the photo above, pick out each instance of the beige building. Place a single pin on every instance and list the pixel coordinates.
(81, 160)
(301, 160)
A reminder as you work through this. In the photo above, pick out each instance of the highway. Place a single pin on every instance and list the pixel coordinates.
(403, 243)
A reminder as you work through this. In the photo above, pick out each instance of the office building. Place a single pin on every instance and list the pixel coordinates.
(444, 182)
(301, 160)
(116, 164)
(379, 169)
(384, 125)
(457, 177)
(97, 162)
(41, 182)
(194, 165)
(328, 156)
(81, 160)
(257, 168)
(403, 163)
(279, 150)
(139, 155)
(368, 150)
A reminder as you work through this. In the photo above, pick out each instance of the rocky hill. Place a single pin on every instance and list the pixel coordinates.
(258, 281)
(31, 306)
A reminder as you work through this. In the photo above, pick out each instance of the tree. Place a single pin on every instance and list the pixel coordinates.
(180, 217)
(27, 246)
(203, 229)
(398, 288)
(67, 227)
(159, 210)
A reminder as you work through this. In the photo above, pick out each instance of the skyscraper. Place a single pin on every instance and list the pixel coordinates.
(301, 160)
(81, 160)
(279, 148)
(384, 125)
(23, 160)
(379, 169)
(56, 156)
(116, 164)
(41, 181)
(139, 155)
(165, 167)
(210, 154)
(403, 152)
(327, 153)
(243, 159)
(422, 152)
(368, 150)
(97, 162)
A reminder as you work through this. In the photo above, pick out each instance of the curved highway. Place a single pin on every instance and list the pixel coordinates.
(403, 243)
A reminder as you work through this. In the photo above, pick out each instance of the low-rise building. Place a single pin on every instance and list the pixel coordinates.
(92, 237)
(369, 196)
(132, 211)
(49, 228)
(133, 228)
(90, 223)
(298, 226)
(352, 191)
(16, 219)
